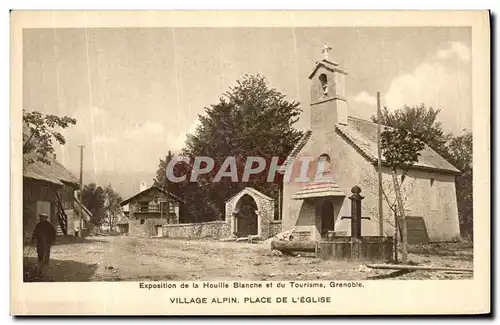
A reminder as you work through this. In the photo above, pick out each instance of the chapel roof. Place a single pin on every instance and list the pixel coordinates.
(327, 64)
(295, 151)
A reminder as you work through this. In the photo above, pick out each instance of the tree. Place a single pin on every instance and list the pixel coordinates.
(161, 180)
(179, 189)
(420, 120)
(251, 119)
(161, 174)
(112, 208)
(401, 150)
(93, 197)
(460, 154)
(457, 150)
(38, 132)
(407, 188)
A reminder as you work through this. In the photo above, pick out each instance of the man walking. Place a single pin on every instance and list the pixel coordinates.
(45, 236)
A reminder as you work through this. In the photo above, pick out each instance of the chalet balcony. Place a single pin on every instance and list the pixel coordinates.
(149, 210)
(154, 210)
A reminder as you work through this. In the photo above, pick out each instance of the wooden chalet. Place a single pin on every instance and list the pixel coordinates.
(152, 208)
(50, 188)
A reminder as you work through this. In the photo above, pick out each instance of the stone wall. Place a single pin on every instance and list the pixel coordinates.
(266, 215)
(275, 228)
(213, 229)
(146, 229)
(122, 228)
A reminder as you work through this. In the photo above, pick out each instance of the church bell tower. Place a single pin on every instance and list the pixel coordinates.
(328, 103)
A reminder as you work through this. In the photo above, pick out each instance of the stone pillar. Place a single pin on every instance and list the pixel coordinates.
(356, 219)
(356, 212)
(229, 219)
(265, 215)
(234, 224)
(259, 223)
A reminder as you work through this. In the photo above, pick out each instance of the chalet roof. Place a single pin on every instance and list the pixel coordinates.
(54, 172)
(320, 187)
(362, 135)
(124, 202)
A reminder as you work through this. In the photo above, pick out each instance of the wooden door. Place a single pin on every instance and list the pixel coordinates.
(327, 217)
(159, 231)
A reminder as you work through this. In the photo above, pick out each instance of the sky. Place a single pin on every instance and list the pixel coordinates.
(136, 92)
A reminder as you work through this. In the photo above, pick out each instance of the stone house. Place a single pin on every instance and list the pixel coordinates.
(150, 209)
(49, 188)
(344, 151)
(122, 225)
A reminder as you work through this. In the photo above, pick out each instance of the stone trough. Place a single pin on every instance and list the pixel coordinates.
(372, 248)
(353, 248)
(342, 248)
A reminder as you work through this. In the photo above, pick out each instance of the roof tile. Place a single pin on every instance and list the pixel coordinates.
(54, 172)
(319, 187)
(362, 135)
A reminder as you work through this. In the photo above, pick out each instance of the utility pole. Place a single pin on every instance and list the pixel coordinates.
(167, 201)
(279, 201)
(81, 191)
(379, 147)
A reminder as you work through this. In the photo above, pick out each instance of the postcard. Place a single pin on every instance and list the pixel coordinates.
(250, 162)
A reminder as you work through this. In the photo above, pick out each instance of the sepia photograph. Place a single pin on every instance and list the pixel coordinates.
(234, 156)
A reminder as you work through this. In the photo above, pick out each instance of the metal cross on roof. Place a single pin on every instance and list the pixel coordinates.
(325, 50)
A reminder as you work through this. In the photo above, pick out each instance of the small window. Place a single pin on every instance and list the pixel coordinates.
(323, 165)
(434, 195)
(324, 157)
(142, 221)
(324, 83)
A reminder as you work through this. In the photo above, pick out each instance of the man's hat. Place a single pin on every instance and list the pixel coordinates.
(43, 216)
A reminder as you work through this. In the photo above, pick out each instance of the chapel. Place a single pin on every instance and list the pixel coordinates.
(346, 149)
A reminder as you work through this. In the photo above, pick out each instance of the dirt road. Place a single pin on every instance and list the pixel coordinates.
(125, 258)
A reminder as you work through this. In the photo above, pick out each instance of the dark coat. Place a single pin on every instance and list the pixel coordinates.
(44, 233)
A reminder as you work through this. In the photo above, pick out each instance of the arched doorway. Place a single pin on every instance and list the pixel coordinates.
(250, 212)
(327, 217)
(246, 217)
